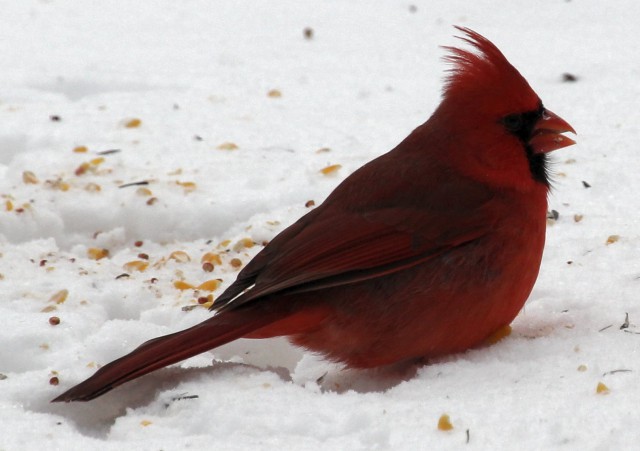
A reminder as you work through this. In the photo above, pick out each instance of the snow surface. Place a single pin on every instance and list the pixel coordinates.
(197, 74)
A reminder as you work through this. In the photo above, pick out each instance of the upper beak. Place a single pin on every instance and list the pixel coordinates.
(547, 134)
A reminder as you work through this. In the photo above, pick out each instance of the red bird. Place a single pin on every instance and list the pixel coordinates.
(427, 250)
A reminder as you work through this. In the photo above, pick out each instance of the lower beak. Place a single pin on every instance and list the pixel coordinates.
(547, 134)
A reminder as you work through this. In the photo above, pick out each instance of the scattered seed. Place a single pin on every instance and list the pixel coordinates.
(207, 267)
(136, 265)
(330, 169)
(180, 256)
(54, 320)
(82, 169)
(444, 423)
(145, 423)
(308, 33)
(133, 123)
(188, 186)
(80, 149)
(29, 178)
(58, 185)
(227, 146)
(568, 77)
(212, 258)
(54, 380)
(123, 276)
(602, 389)
(182, 285)
(204, 299)
(108, 151)
(59, 297)
(138, 243)
(96, 253)
(55, 118)
(274, 93)
(577, 218)
(612, 239)
(582, 368)
(152, 200)
(209, 285)
(92, 187)
(309, 203)
(236, 262)
(144, 192)
(243, 243)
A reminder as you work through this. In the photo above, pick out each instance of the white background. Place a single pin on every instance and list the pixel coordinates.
(197, 74)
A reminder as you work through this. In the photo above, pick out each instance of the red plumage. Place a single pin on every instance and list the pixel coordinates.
(426, 250)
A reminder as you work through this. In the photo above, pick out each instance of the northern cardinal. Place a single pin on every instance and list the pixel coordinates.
(427, 250)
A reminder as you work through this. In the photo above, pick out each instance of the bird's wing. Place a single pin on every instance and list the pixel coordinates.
(339, 248)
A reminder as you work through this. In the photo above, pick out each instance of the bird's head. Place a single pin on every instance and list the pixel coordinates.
(500, 129)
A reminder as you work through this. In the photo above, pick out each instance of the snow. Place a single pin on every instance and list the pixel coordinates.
(197, 74)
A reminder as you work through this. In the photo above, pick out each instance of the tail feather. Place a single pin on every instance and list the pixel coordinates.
(162, 351)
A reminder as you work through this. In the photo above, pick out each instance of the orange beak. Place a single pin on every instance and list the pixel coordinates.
(547, 134)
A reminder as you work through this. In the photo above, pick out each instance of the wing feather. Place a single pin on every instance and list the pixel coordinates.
(326, 252)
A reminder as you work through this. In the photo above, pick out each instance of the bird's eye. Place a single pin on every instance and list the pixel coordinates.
(513, 122)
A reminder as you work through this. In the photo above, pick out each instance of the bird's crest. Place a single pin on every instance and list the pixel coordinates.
(486, 70)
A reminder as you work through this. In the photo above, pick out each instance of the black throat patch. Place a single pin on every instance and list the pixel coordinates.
(522, 126)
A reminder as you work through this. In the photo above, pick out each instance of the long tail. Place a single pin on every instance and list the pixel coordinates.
(162, 351)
